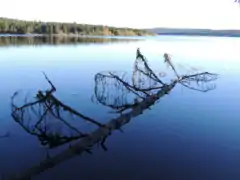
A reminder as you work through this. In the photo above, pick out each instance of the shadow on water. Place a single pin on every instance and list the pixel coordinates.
(128, 98)
(6, 41)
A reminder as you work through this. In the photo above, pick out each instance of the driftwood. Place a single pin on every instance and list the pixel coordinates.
(97, 136)
(143, 99)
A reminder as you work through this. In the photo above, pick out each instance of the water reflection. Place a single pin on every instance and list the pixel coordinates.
(53, 121)
(5, 135)
(57, 40)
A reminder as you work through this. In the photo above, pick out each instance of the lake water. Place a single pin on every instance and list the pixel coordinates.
(187, 135)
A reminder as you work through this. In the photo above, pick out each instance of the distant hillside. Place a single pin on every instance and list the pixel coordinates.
(15, 26)
(199, 32)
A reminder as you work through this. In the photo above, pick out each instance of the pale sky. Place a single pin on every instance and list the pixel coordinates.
(215, 14)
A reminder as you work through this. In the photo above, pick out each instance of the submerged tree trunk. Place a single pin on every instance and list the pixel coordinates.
(146, 87)
(95, 137)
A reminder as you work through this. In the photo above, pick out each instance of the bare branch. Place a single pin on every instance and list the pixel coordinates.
(147, 70)
(86, 143)
(45, 105)
(48, 105)
(168, 61)
(200, 80)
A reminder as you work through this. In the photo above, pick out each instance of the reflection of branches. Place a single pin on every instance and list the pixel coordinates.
(204, 77)
(112, 93)
(48, 107)
(111, 90)
(5, 135)
(124, 95)
(144, 76)
(97, 136)
(200, 80)
(168, 61)
(115, 91)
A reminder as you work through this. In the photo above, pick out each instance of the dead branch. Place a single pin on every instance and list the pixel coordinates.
(123, 89)
(47, 107)
(95, 137)
(146, 71)
(200, 80)
(168, 61)
(148, 96)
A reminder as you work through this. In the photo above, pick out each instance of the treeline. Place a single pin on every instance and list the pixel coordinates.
(13, 26)
(57, 40)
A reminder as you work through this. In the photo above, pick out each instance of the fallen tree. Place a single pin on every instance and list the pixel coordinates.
(146, 88)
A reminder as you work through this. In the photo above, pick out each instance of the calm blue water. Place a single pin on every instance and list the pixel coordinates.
(187, 135)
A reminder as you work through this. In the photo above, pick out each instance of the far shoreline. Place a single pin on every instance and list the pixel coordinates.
(118, 36)
(76, 35)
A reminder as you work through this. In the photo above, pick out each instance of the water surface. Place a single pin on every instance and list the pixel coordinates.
(186, 135)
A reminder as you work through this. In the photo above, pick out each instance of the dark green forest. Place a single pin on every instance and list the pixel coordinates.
(13, 26)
